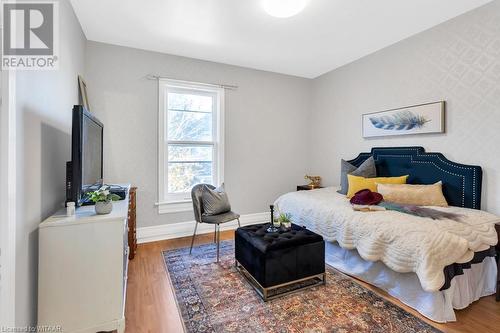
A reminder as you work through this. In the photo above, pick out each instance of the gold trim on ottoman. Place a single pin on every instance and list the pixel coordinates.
(264, 292)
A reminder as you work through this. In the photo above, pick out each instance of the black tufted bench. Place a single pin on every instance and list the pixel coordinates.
(273, 261)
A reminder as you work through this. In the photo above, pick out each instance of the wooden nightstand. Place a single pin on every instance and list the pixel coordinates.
(497, 227)
(306, 187)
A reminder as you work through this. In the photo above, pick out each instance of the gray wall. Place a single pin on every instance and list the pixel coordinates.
(265, 122)
(44, 100)
(457, 61)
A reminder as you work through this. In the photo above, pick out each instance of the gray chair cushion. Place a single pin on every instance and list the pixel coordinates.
(221, 218)
(367, 169)
(215, 201)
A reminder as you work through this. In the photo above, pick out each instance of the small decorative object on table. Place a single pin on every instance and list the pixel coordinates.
(275, 224)
(314, 182)
(285, 220)
(103, 200)
(70, 208)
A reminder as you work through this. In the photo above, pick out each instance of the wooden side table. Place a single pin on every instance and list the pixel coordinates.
(306, 187)
(497, 227)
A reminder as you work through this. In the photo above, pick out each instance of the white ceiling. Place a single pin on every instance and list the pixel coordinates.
(326, 35)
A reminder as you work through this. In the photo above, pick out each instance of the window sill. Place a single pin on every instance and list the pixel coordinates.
(175, 207)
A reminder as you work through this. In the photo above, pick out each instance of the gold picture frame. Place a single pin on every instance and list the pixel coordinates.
(83, 96)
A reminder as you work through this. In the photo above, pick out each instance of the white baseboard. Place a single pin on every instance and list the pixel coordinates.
(183, 229)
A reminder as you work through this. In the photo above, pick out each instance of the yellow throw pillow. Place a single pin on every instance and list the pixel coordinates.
(419, 195)
(357, 183)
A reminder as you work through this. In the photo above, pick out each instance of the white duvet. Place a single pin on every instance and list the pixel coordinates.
(403, 242)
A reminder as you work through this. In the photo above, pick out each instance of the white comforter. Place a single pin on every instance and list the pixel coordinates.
(403, 242)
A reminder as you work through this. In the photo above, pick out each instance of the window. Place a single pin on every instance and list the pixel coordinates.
(191, 150)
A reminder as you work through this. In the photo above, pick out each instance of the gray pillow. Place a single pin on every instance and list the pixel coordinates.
(215, 201)
(366, 169)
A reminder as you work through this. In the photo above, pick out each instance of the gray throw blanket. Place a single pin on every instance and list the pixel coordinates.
(421, 211)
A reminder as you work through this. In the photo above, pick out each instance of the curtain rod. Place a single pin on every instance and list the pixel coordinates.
(224, 86)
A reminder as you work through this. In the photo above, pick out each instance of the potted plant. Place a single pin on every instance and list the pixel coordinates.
(103, 200)
(285, 220)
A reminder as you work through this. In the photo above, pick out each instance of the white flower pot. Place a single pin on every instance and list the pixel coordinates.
(103, 207)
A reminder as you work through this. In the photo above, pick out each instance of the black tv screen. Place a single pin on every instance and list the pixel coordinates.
(85, 170)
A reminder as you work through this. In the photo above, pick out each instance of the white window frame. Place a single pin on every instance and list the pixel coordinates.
(181, 202)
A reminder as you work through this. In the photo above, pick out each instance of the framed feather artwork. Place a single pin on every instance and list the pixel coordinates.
(416, 119)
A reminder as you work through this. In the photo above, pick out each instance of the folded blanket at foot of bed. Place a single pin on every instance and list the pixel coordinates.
(409, 209)
(403, 242)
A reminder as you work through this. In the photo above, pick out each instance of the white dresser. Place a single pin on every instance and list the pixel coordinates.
(82, 270)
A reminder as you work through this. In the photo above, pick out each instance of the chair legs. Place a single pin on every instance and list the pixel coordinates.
(216, 237)
(218, 240)
(192, 239)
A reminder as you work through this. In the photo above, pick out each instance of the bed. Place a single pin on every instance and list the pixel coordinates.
(433, 266)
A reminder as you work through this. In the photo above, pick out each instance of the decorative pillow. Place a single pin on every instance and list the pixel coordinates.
(418, 195)
(215, 201)
(360, 183)
(366, 169)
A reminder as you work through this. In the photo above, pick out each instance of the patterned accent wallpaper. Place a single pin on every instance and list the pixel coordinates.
(457, 61)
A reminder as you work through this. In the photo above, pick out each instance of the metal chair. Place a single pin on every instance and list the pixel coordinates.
(216, 220)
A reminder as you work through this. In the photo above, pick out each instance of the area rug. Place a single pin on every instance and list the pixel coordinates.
(214, 297)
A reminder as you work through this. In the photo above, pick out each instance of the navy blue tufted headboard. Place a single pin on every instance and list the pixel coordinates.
(461, 183)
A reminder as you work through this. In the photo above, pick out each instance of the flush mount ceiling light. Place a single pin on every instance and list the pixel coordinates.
(284, 8)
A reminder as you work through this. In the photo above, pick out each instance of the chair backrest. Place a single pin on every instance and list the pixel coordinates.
(196, 193)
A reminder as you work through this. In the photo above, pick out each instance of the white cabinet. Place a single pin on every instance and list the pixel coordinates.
(82, 270)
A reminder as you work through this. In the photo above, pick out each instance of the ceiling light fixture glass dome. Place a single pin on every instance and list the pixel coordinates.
(284, 8)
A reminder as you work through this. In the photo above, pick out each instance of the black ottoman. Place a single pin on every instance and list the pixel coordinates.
(273, 261)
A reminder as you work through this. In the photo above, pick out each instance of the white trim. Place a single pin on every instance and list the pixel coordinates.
(169, 203)
(175, 207)
(183, 229)
(8, 176)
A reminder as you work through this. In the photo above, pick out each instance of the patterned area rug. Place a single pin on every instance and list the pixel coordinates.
(216, 298)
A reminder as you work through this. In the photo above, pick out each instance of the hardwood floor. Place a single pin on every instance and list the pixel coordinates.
(151, 306)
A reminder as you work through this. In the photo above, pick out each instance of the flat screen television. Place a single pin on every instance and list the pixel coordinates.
(85, 170)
